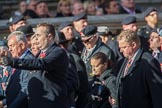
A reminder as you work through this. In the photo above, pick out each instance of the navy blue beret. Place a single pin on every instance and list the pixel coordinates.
(149, 10)
(10, 21)
(26, 29)
(16, 19)
(129, 20)
(80, 16)
(63, 25)
(89, 30)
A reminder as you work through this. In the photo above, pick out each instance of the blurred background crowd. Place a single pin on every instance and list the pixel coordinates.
(65, 8)
(33, 9)
(77, 49)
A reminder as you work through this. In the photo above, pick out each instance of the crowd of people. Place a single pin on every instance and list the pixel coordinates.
(66, 8)
(79, 65)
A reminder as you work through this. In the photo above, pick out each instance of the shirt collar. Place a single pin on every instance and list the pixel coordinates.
(24, 54)
(135, 54)
(129, 11)
(44, 50)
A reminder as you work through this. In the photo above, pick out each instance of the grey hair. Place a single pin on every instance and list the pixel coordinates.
(20, 36)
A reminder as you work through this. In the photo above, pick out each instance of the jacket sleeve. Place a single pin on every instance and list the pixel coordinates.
(22, 96)
(154, 82)
(18, 101)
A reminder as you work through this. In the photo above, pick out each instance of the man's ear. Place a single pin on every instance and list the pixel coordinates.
(22, 44)
(50, 36)
(134, 44)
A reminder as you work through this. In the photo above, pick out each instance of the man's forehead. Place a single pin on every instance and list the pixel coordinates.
(122, 42)
(95, 61)
(40, 29)
(11, 41)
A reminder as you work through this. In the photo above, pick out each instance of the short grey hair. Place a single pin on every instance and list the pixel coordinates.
(20, 36)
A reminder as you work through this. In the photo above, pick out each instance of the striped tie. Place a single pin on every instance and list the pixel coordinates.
(127, 66)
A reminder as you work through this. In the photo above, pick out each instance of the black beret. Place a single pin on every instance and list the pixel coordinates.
(149, 10)
(11, 19)
(89, 30)
(63, 25)
(129, 20)
(80, 16)
(61, 38)
(26, 29)
(16, 19)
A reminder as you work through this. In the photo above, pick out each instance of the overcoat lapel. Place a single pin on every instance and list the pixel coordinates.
(135, 62)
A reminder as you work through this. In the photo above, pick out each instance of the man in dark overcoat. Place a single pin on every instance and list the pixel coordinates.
(139, 81)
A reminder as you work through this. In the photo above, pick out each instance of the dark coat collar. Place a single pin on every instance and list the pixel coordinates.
(105, 74)
(137, 58)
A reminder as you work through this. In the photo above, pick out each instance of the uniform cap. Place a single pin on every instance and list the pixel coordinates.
(149, 10)
(80, 16)
(63, 25)
(89, 30)
(26, 29)
(129, 20)
(10, 20)
(16, 19)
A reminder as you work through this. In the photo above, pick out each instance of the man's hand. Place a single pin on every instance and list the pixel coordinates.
(1, 104)
(112, 101)
(3, 52)
(4, 57)
(6, 61)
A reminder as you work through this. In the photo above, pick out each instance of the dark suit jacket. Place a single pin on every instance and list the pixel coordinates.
(113, 44)
(76, 46)
(142, 86)
(16, 92)
(47, 87)
(82, 93)
(160, 57)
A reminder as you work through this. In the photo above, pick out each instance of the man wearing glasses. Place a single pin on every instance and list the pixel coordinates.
(93, 44)
(139, 82)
